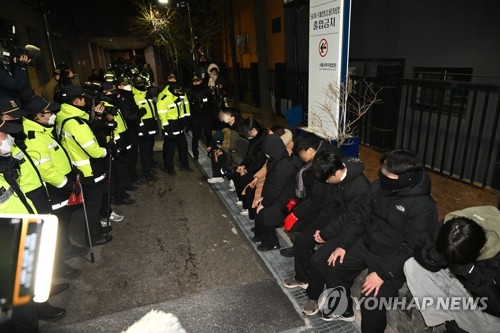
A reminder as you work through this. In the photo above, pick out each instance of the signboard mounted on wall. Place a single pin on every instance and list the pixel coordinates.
(329, 23)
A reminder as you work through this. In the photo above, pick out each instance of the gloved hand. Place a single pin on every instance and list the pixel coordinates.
(290, 221)
(142, 112)
(291, 203)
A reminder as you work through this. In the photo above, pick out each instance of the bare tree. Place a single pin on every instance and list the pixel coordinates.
(344, 108)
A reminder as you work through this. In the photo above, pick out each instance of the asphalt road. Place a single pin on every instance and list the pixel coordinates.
(177, 251)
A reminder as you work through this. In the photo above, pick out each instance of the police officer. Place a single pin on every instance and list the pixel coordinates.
(148, 126)
(110, 75)
(199, 102)
(76, 136)
(132, 115)
(120, 143)
(53, 165)
(174, 113)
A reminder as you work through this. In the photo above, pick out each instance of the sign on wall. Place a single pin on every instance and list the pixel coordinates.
(329, 22)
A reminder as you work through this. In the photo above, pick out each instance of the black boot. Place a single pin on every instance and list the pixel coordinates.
(45, 311)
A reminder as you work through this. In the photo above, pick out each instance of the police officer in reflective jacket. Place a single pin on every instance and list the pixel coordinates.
(174, 113)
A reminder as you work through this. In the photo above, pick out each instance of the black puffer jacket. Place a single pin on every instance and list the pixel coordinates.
(342, 200)
(255, 158)
(310, 206)
(393, 224)
(280, 178)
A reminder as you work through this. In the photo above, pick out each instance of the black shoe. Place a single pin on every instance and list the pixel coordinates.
(64, 271)
(170, 172)
(187, 169)
(103, 240)
(265, 248)
(137, 182)
(58, 288)
(255, 239)
(74, 251)
(149, 178)
(45, 311)
(195, 157)
(253, 229)
(106, 230)
(131, 187)
(124, 201)
(288, 252)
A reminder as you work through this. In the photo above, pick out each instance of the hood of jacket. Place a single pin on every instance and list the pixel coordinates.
(274, 147)
(30, 125)
(355, 167)
(68, 111)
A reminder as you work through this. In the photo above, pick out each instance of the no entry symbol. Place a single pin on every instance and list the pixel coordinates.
(323, 47)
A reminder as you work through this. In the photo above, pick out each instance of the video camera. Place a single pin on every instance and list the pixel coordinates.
(27, 247)
(94, 92)
(9, 49)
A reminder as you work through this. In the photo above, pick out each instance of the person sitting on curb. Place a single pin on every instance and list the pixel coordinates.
(463, 262)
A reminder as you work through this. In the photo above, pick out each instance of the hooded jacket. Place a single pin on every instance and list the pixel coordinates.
(255, 157)
(315, 189)
(392, 224)
(342, 200)
(280, 178)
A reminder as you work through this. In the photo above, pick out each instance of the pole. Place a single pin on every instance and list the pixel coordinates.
(92, 257)
(190, 24)
(48, 38)
(111, 139)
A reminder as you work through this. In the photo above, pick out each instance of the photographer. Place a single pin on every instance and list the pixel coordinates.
(63, 76)
(13, 80)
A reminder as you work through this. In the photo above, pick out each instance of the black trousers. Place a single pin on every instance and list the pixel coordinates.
(248, 201)
(266, 233)
(120, 175)
(24, 320)
(132, 155)
(303, 247)
(63, 241)
(199, 122)
(218, 165)
(318, 268)
(146, 146)
(169, 144)
(240, 182)
(358, 258)
(40, 200)
(93, 195)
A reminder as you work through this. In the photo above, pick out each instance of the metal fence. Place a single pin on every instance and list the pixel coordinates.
(453, 126)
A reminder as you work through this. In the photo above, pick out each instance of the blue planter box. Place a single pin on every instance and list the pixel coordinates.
(350, 146)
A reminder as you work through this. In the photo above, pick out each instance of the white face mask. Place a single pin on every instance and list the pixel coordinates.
(52, 119)
(6, 146)
(127, 87)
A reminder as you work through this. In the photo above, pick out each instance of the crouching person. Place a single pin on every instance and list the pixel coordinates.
(393, 219)
(464, 263)
(278, 189)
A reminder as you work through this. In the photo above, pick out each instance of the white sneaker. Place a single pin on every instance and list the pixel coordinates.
(215, 180)
(239, 203)
(244, 212)
(115, 217)
(232, 188)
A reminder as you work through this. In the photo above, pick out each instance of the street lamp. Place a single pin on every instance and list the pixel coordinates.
(182, 4)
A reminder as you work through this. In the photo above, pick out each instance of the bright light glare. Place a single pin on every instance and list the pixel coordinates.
(163, 1)
(45, 264)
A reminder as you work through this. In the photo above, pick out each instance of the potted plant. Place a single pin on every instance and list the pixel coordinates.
(343, 108)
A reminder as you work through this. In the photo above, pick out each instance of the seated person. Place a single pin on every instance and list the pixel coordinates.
(254, 159)
(463, 262)
(310, 192)
(278, 189)
(394, 218)
(346, 185)
(253, 191)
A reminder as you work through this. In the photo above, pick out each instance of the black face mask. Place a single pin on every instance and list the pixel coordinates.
(19, 136)
(405, 180)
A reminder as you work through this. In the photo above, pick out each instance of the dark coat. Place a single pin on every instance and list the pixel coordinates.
(342, 200)
(393, 224)
(310, 206)
(199, 100)
(280, 180)
(255, 158)
(12, 82)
